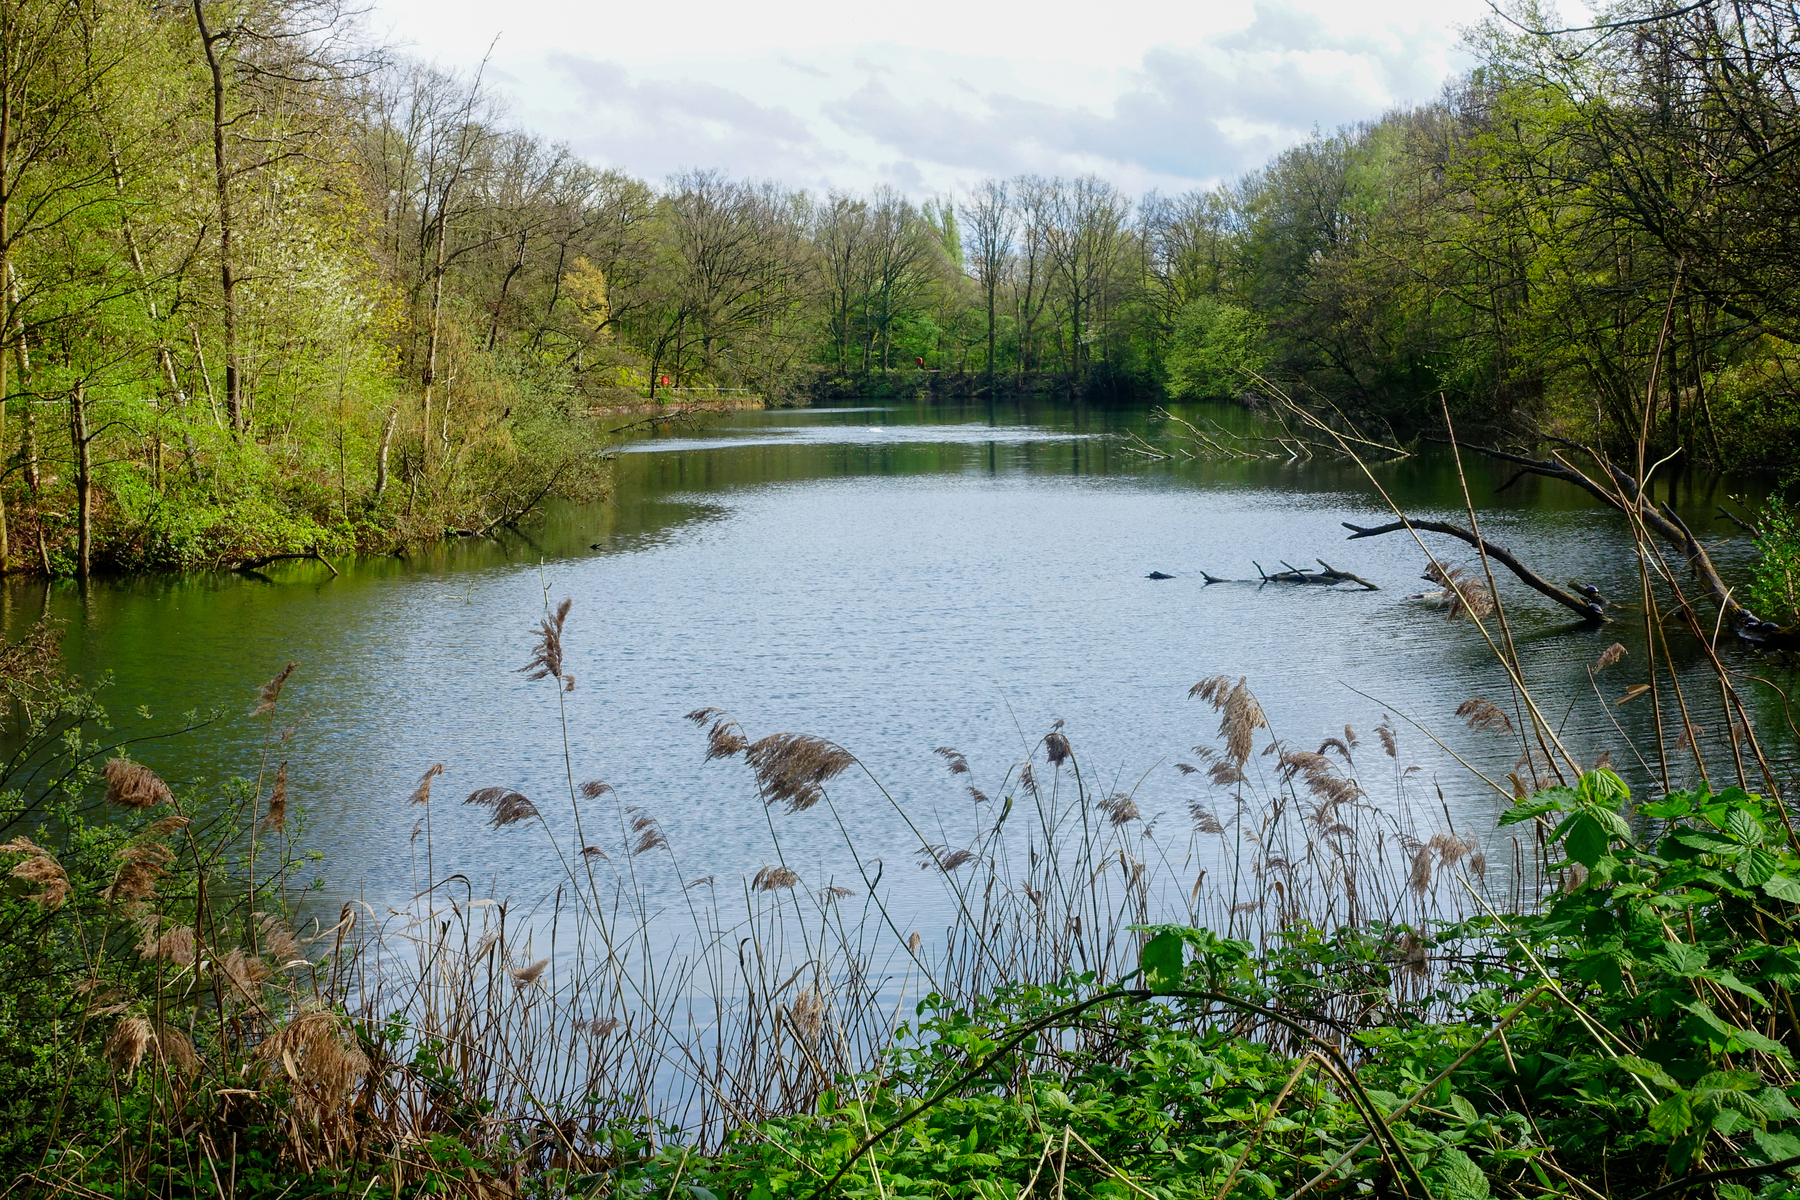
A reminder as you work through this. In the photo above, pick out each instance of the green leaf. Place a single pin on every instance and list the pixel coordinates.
(1711, 843)
(1782, 887)
(1776, 1146)
(1679, 958)
(1727, 1081)
(1453, 1175)
(1463, 1108)
(1602, 787)
(1162, 961)
(1752, 1040)
(1643, 1067)
(1586, 840)
(1536, 808)
(1675, 804)
(1673, 1117)
(1756, 868)
(1744, 827)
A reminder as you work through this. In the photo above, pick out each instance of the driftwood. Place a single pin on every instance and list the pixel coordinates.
(1587, 607)
(1329, 577)
(252, 565)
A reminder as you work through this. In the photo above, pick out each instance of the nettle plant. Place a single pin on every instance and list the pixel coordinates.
(1671, 950)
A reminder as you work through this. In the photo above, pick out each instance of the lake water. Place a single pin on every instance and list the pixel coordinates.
(892, 578)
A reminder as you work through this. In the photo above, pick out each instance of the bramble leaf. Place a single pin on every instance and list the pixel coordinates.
(1782, 887)
(1673, 1116)
(1162, 961)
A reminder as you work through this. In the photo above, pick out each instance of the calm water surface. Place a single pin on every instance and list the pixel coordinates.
(895, 579)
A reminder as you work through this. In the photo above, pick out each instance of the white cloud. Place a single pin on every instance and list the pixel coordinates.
(1151, 96)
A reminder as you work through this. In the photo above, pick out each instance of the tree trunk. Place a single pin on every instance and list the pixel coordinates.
(82, 444)
(990, 331)
(234, 398)
(381, 457)
(431, 342)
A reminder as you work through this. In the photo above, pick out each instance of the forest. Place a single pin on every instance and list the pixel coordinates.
(270, 288)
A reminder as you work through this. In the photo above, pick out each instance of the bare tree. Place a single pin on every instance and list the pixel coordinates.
(992, 226)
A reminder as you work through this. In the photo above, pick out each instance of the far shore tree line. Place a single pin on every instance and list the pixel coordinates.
(268, 289)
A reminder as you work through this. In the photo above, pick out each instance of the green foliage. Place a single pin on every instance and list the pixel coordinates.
(1215, 349)
(1775, 581)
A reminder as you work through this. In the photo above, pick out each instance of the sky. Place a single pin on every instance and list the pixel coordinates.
(933, 96)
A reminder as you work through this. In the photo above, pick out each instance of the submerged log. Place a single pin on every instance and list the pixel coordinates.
(1330, 576)
(1588, 609)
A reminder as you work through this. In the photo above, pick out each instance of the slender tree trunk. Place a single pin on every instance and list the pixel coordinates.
(990, 332)
(431, 343)
(28, 445)
(82, 444)
(381, 456)
(234, 398)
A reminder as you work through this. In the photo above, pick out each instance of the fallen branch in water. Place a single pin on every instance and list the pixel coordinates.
(1625, 497)
(1588, 609)
(1329, 577)
(256, 564)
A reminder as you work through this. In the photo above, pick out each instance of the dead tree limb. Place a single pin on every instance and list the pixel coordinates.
(1659, 519)
(312, 553)
(1586, 609)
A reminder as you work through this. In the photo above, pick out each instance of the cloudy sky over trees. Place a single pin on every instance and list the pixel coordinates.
(939, 94)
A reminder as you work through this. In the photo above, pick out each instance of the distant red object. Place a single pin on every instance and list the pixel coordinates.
(662, 380)
(920, 361)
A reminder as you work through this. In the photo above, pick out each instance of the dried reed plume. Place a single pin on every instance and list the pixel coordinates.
(1609, 656)
(773, 879)
(807, 1015)
(1469, 592)
(792, 767)
(276, 815)
(593, 789)
(834, 893)
(39, 867)
(943, 858)
(1204, 821)
(422, 793)
(977, 795)
(1242, 715)
(954, 759)
(1484, 714)
(509, 807)
(177, 1050)
(649, 833)
(1119, 808)
(524, 977)
(140, 866)
(313, 1051)
(1390, 745)
(244, 971)
(270, 695)
(132, 785)
(1056, 747)
(278, 940)
(131, 1037)
(726, 739)
(546, 660)
(176, 944)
